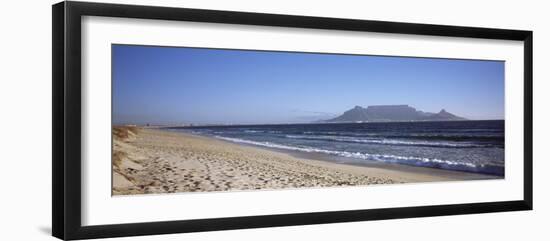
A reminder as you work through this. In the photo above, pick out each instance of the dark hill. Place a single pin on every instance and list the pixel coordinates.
(390, 113)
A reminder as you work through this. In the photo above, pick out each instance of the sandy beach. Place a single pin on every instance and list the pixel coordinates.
(157, 161)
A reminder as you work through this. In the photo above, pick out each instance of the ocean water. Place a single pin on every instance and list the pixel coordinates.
(470, 146)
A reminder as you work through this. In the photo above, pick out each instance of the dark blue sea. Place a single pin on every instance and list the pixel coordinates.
(470, 146)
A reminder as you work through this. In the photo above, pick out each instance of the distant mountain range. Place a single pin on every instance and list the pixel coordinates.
(392, 113)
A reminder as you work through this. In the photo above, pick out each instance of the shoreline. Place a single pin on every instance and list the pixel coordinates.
(340, 160)
(459, 175)
(326, 159)
(148, 160)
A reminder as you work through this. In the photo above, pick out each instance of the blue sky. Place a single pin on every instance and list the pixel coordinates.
(169, 85)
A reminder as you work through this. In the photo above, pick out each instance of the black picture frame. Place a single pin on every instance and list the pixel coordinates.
(66, 127)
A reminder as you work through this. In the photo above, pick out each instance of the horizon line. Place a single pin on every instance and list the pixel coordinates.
(288, 123)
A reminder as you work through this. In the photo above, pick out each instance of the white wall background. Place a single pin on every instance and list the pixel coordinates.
(25, 123)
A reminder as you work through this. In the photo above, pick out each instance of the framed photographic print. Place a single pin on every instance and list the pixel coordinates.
(169, 120)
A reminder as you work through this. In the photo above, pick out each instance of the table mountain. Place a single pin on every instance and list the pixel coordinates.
(390, 113)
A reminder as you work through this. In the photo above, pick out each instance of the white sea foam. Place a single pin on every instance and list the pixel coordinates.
(253, 131)
(386, 141)
(419, 161)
